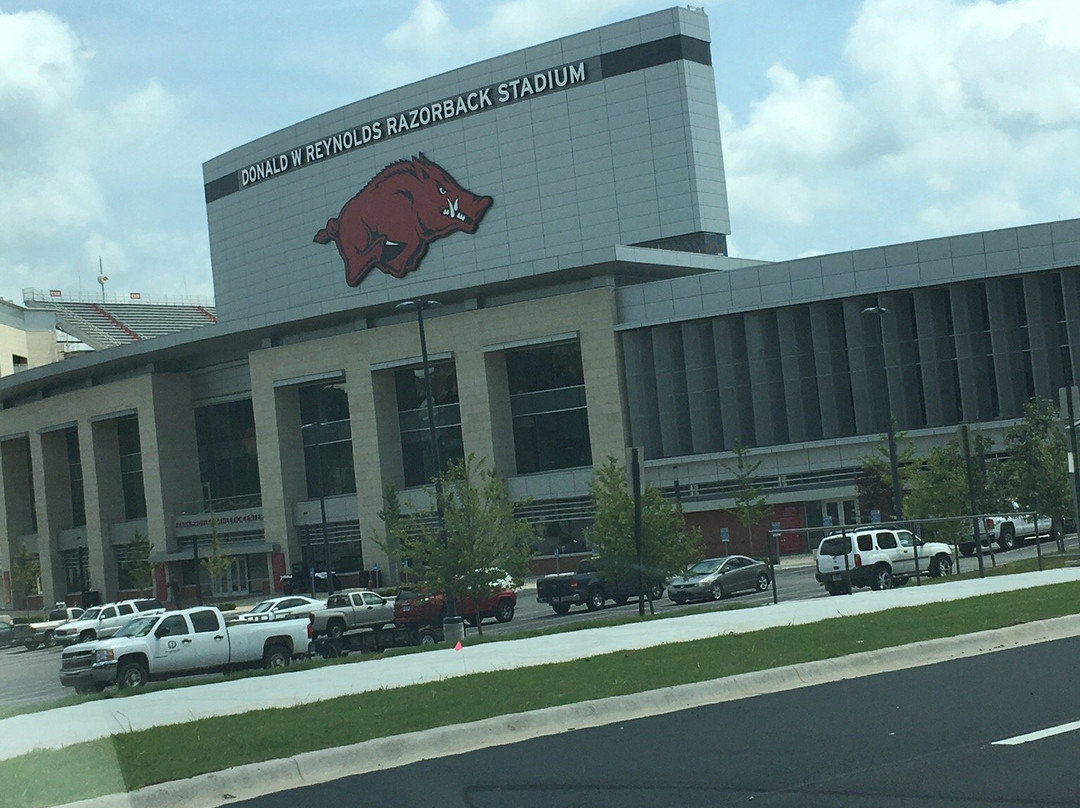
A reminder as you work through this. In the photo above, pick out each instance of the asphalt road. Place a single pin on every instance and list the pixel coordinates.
(926, 736)
(30, 677)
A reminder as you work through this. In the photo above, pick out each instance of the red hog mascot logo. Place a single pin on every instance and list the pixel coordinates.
(391, 222)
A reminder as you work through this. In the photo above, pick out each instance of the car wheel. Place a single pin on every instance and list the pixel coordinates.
(131, 675)
(32, 646)
(560, 608)
(596, 600)
(656, 591)
(471, 620)
(762, 582)
(276, 656)
(621, 600)
(716, 592)
(1007, 538)
(941, 566)
(426, 636)
(504, 611)
(968, 549)
(50, 641)
(334, 629)
(835, 590)
(882, 577)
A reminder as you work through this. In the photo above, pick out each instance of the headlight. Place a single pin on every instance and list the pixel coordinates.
(104, 655)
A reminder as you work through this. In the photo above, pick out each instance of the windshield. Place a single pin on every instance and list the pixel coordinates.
(139, 627)
(90, 614)
(706, 567)
(59, 614)
(265, 606)
(835, 546)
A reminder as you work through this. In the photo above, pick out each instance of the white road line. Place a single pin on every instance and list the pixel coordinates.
(1049, 732)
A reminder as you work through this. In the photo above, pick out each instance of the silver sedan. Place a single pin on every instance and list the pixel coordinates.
(716, 578)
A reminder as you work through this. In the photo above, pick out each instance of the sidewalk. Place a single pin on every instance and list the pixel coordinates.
(97, 719)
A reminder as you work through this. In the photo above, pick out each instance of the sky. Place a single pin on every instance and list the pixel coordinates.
(845, 123)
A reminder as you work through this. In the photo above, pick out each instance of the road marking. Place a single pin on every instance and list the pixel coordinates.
(1049, 732)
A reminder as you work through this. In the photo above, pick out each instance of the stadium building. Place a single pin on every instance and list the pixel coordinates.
(565, 205)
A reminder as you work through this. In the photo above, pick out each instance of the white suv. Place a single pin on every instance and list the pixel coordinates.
(878, 558)
(100, 622)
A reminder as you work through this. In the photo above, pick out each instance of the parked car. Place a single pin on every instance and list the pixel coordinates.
(416, 608)
(275, 608)
(352, 609)
(101, 622)
(716, 578)
(6, 630)
(299, 581)
(197, 640)
(589, 587)
(42, 632)
(1008, 530)
(878, 558)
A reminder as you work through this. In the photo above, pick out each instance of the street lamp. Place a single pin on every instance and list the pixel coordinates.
(419, 304)
(898, 504)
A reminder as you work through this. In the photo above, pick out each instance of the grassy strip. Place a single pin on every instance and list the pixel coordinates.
(161, 754)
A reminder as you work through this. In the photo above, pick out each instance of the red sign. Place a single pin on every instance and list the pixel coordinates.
(55, 293)
(402, 209)
(135, 295)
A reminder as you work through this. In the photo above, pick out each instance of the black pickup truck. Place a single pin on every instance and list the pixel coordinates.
(587, 586)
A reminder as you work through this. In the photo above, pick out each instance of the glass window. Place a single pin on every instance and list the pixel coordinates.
(337, 602)
(372, 599)
(547, 407)
(108, 612)
(327, 436)
(866, 542)
(204, 622)
(131, 476)
(357, 600)
(75, 475)
(174, 625)
(413, 420)
(228, 457)
(125, 608)
(906, 538)
(886, 541)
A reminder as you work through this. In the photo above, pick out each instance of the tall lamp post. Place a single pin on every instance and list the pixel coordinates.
(419, 304)
(898, 502)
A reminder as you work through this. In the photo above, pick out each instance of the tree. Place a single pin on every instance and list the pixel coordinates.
(938, 489)
(26, 575)
(873, 483)
(481, 540)
(396, 524)
(668, 545)
(137, 564)
(217, 563)
(750, 504)
(1036, 470)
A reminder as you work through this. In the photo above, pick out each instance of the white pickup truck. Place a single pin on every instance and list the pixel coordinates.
(179, 643)
(1008, 530)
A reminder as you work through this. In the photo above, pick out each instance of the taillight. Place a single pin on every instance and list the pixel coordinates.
(573, 584)
(858, 560)
(310, 626)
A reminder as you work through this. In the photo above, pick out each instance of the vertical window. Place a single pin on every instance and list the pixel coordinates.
(131, 476)
(547, 405)
(413, 420)
(76, 570)
(327, 434)
(228, 458)
(75, 475)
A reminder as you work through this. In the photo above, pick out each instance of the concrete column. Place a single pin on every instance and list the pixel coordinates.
(644, 411)
(474, 399)
(281, 463)
(104, 501)
(502, 422)
(169, 456)
(376, 452)
(52, 490)
(16, 507)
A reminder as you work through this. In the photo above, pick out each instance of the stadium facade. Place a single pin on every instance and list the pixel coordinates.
(566, 207)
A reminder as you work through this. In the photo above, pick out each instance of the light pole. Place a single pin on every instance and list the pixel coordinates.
(898, 502)
(419, 304)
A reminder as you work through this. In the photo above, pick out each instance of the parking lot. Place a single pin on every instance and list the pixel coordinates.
(31, 677)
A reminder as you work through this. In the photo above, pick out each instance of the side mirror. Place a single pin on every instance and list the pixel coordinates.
(162, 631)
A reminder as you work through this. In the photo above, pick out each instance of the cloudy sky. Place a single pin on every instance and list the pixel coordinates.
(846, 123)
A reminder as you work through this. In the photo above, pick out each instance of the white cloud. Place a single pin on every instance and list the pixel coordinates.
(969, 111)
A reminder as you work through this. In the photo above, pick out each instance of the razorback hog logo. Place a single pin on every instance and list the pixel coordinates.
(391, 222)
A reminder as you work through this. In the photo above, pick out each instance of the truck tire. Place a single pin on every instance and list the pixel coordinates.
(941, 566)
(49, 639)
(426, 636)
(131, 675)
(882, 577)
(968, 548)
(335, 629)
(276, 656)
(596, 600)
(504, 611)
(560, 608)
(31, 645)
(1007, 537)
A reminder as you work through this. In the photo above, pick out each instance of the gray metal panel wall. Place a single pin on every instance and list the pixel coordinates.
(671, 395)
(831, 359)
(901, 351)
(641, 391)
(799, 373)
(702, 386)
(938, 355)
(1042, 297)
(1005, 302)
(1070, 287)
(974, 350)
(766, 378)
(736, 401)
(867, 365)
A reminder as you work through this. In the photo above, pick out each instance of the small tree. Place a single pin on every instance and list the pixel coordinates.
(668, 545)
(938, 488)
(750, 504)
(217, 563)
(26, 576)
(481, 540)
(873, 483)
(137, 564)
(395, 523)
(1036, 471)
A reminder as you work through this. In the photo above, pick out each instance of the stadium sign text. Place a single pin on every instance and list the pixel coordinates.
(446, 109)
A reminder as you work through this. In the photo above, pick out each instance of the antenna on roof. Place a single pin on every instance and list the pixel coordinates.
(101, 278)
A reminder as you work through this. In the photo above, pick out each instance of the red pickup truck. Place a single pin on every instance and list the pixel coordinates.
(414, 608)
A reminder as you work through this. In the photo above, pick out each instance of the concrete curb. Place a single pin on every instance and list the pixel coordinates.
(310, 768)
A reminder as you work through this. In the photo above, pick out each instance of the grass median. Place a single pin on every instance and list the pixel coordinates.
(136, 759)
